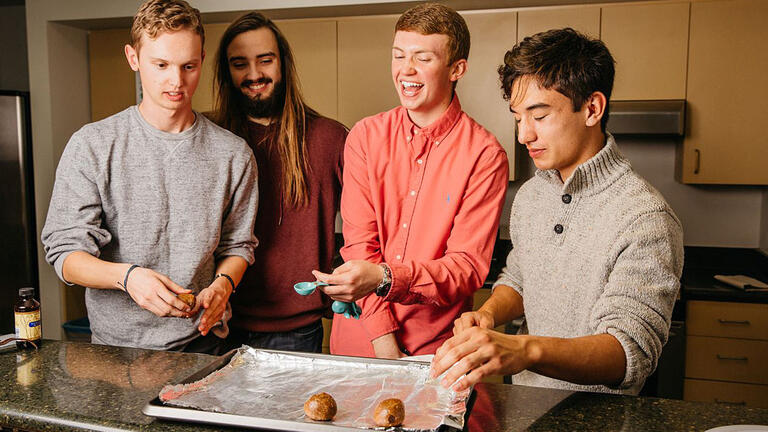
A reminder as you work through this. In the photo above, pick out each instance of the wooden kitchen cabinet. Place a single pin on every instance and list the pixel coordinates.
(203, 99)
(649, 43)
(365, 57)
(113, 83)
(726, 353)
(726, 393)
(492, 34)
(585, 19)
(314, 51)
(725, 140)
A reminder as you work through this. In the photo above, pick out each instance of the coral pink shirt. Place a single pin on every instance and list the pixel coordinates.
(427, 202)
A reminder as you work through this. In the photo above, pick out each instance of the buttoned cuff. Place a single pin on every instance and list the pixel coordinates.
(401, 283)
(379, 323)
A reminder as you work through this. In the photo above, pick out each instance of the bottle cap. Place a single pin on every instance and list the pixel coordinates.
(26, 291)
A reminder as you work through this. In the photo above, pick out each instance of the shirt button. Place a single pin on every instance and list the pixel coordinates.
(397, 257)
(566, 198)
(413, 193)
(437, 142)
(408, 138)
(559, 229)
(416, 132)
(405, 225)
(419, 161)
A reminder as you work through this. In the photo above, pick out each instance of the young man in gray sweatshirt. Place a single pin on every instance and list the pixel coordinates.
(155, 201)
(596, 251)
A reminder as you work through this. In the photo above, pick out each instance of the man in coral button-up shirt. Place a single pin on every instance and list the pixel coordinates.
(423, 189)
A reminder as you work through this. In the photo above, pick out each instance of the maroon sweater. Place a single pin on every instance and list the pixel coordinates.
(292, 241)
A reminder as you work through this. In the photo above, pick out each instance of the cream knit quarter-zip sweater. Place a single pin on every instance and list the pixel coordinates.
(600, 253)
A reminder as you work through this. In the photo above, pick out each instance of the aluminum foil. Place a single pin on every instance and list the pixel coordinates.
(275, 385)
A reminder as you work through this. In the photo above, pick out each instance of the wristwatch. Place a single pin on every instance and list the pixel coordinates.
(386, 282)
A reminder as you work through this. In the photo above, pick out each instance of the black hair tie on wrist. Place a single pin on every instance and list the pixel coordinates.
(231, 282)
(125, 281)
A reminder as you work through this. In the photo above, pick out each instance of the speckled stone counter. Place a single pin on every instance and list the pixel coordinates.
(69, 386)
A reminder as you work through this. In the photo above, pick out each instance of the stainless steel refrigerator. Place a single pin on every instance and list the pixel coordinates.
(18, 238)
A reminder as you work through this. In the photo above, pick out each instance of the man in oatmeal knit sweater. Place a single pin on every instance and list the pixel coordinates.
(596, 251)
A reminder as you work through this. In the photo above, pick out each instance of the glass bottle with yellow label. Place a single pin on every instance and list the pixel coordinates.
(27, 316)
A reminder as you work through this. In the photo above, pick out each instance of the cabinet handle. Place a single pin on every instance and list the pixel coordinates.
(725, 402)
(698, 161)
(722, 357)
(724, 322)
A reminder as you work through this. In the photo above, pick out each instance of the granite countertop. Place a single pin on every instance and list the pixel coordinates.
(68, 386)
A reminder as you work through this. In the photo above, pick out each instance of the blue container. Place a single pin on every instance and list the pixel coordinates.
(78, 330)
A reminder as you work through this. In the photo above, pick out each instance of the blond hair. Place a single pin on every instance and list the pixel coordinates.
(157, 16)
(434, 18)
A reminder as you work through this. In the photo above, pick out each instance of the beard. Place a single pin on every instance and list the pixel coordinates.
(262, 107)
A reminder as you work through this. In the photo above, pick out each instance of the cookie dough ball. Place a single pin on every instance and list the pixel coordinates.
(388, 413)
(189, 299)
(320, 406)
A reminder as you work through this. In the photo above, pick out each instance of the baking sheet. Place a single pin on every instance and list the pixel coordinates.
(267, 389)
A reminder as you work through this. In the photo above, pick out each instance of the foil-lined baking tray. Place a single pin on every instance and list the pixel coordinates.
(267, 389)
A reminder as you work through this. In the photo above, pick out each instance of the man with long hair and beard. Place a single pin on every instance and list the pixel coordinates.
(300, 157)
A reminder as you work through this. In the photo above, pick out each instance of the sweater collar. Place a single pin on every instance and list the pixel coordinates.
(594, 175)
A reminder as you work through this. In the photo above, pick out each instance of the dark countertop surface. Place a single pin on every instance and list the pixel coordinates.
(68, 386)
(703, 263)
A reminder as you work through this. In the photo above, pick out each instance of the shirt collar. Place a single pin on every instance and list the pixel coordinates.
(594, 175)
(440, 127)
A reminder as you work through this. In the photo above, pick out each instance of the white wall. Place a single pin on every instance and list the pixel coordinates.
(13, 46)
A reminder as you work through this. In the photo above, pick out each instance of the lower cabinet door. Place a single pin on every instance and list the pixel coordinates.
(726, 393)
(725, 359)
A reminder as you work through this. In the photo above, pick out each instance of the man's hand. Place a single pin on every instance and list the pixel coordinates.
(386, 347)
(214, 300)
(468, 320)
(351, 281)
(480, 352)
(156, 293)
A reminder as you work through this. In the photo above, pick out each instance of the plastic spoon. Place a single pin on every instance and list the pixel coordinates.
(349, 310)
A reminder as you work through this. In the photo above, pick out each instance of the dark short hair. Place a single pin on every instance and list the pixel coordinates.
(434, 18)
(564, 60)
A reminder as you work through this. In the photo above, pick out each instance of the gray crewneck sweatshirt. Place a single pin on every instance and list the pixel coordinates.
(173, 202)
(602, 253)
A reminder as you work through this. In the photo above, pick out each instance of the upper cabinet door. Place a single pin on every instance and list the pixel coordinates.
(726, 140)
(204, 98)
(585, 19)
(314, 51)
(113, 83)
(649, 44)
(492, 34)
(365, 63)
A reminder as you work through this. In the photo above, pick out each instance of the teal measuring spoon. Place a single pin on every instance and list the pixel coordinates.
(349, 310)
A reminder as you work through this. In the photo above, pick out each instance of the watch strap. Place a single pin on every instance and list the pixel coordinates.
(386, 282)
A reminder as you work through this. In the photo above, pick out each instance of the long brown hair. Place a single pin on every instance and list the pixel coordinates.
(290, 139)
